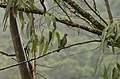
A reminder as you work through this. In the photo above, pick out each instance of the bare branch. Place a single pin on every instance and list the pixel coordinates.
(109, 11)
(64, 21)
(4, 53)
(49, 53)
(72, 24)
(63, 10)
(85, 14)
(95, 11)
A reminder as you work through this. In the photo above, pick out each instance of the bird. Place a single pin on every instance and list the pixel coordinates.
(63, 42)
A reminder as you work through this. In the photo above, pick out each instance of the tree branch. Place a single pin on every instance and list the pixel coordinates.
(4, 53)
(64, 21)
(95, 12)
(109, 11)
(73, 24)
(85, 14)
(76, 44)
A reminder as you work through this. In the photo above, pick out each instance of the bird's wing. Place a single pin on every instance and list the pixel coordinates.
(61, 41)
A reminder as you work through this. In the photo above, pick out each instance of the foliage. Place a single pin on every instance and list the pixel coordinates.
(42, 33)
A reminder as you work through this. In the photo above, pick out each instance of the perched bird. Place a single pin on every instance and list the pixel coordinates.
(63, 42)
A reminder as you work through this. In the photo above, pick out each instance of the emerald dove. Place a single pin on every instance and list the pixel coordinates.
(63, 42)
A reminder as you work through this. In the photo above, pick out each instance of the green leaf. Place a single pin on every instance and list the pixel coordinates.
(117, 33)
(48, 19)
(50, 36)
(114, 73)
(98, 63)
(118, 66)
(105, 37)
(36, 39)
(42, 39)
(34, 43)
(54, 24)
(7, 12)
(34, 46)
(28, 42)
(21, 17)
(29, 16)
(112, 47)
(58, 37)
(105, 45)
(29, 30)
(54, 21)
(46, 48)
(104, 34)
(27, 5)
(105, 75)
(53, 31)
(41, 45)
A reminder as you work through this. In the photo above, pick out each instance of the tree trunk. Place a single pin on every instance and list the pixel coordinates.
(24, 71)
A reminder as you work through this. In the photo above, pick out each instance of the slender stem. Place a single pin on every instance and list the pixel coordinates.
(109, 11)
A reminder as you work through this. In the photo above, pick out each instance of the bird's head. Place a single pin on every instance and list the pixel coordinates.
(65, 34)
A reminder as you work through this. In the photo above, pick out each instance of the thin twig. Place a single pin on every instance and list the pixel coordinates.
(95, 12)
(85, 14)
(109, 11)
(49, 53)
(44, 66)
(65, 21)
(4, 53)
(63, 10)
(60, 61)
(41, 75)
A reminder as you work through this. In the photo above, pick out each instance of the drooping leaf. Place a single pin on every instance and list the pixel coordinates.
(34, 46)
(98, 63)
(115, 73)
(50, 36)
(46, 48)
(118, 66)
(41, 42)
(54, 22)
(27, 4)
(15, 7)
(105, 74)
(112, 47)
(34, 43)
(7, 12)
(105, 44)
(58, 37)
(21, 17)
(29, 16)
(48, 19)
(41, 45)
(29, 29)
(117, 32)
(104, 34)
(36, 39)
(104, 39)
